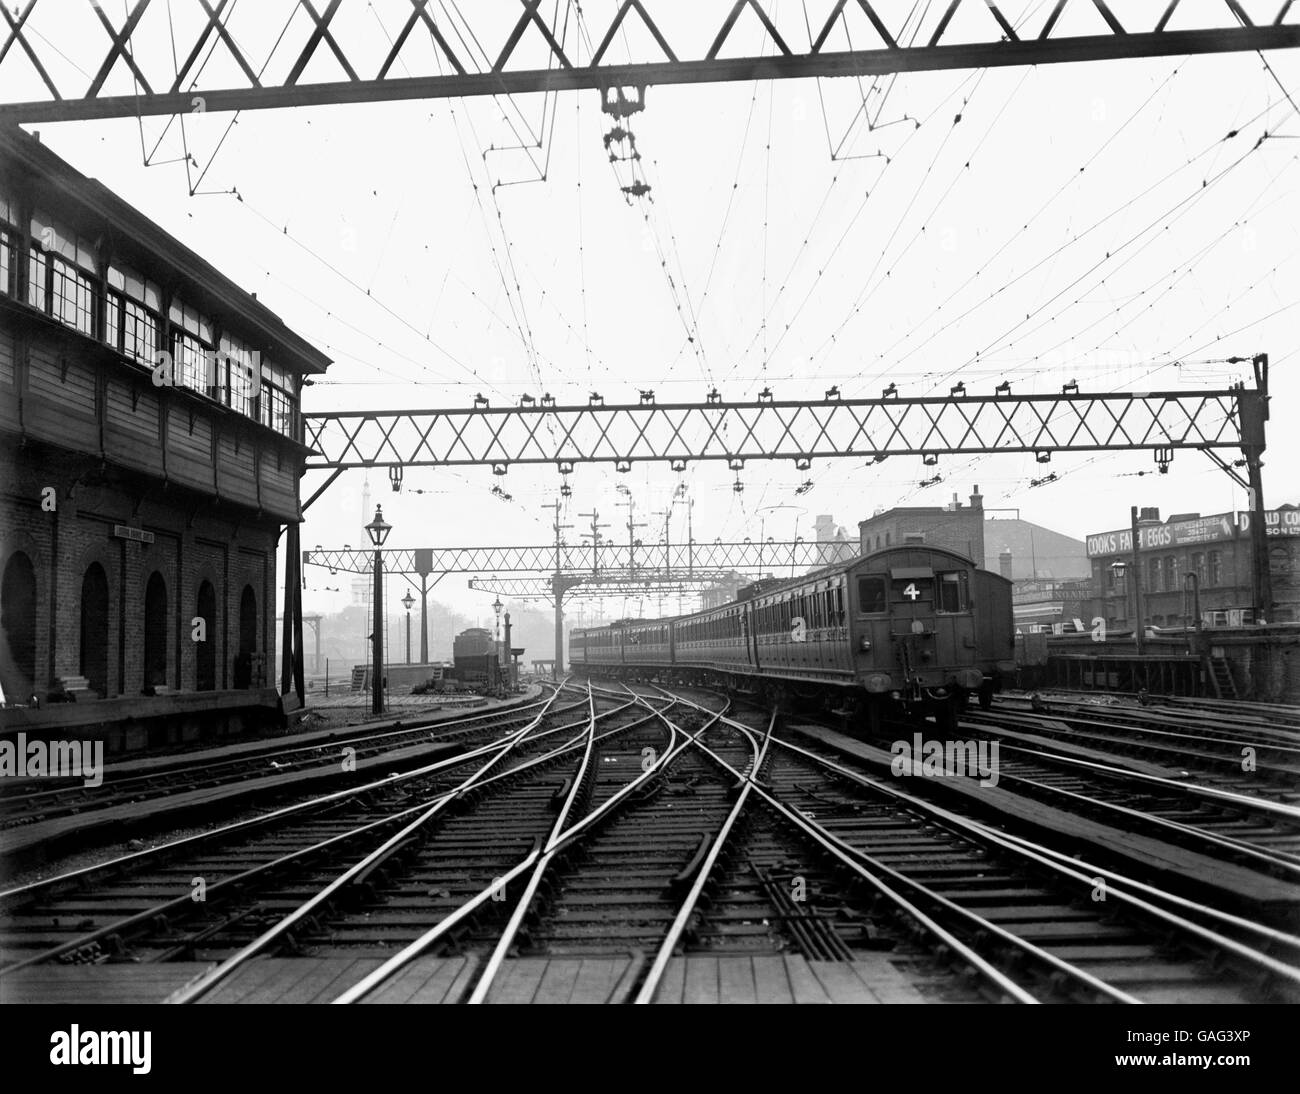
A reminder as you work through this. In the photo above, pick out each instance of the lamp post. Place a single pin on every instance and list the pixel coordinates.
(407, 601)
(496, 638)
(1121, 570)
(378, 530)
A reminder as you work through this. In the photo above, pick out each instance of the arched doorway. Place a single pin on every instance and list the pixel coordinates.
(247, 638)
(94, 628)
(18, 624)
(205, 671)
(155, 631)
(248, 620)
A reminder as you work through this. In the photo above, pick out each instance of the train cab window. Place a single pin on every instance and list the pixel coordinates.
(954, 595)
(871, 594)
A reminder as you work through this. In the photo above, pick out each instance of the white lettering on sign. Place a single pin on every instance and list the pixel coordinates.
(911, 592)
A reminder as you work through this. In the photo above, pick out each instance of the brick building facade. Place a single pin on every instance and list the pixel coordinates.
(1216, 549)
(141, 496)
(956, 527)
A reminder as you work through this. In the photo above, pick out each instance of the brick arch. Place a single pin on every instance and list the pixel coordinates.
(19, 597)
(207, 593)
(14, 541)
(95, 608)
(155, 613)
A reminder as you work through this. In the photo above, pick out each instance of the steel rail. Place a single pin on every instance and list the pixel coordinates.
(651, 982)
(548, 851)
(1027, 849)
(288, 755)
(560, 838)
(853, 859)
(413, 949)
(1270, 934)
(1281, 860)
(72, 876)
(1091, 727)
(237, 960)
(1242, 801)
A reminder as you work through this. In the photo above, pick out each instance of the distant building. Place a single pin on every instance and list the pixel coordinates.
(955, 526)
(834, 535)
(722, 592)
(1029, 553)
(1216, 549)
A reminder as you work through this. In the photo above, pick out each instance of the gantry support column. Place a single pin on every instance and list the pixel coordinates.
(1253, 410)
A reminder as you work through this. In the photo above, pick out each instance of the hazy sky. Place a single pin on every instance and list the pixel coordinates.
(1088, 221)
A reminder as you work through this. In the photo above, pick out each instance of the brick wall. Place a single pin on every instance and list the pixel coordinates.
(193, 541)
(960, 530)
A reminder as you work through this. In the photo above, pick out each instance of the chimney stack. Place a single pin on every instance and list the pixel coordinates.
(977, 499)
(1004, 563)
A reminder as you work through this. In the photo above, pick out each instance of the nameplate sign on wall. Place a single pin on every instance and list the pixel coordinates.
(139, 535)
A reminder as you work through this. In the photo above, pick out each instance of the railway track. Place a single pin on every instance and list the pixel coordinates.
(1238, 712)
(145, 902)
(653, 825)
(30, 801)
(1247, 755)
(1210, 816)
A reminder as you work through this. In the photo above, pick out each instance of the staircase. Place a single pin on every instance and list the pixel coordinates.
(1221, 679)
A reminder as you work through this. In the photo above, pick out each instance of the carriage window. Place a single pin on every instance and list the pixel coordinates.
(953, 592)
(871, 594)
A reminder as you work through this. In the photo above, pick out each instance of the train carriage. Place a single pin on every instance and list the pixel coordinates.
(915, 627)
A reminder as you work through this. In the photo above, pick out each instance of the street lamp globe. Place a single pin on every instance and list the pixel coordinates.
(378, 528)
(408, 601)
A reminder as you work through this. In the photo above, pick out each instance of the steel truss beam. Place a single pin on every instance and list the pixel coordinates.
(686, 562)
(799, 430)
(537, 588)
(139, 47)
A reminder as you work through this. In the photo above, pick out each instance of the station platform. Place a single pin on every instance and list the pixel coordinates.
(772, 978)
(358, 720)
(137, 723)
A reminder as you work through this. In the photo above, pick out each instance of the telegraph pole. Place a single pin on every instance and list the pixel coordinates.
(632, 526)
(595, 536)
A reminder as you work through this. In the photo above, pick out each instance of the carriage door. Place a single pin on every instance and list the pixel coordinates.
(871, 608)
(911, 618)
(954, 632)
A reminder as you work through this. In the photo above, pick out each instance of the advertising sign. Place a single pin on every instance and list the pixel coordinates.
(1179, 533)
(1277, 522)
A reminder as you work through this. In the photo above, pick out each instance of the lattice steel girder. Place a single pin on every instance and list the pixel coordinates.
(540, 589)
(139, 44)
(764, 430)
(711, 560)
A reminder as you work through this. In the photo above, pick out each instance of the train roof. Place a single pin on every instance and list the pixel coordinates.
(783, 584)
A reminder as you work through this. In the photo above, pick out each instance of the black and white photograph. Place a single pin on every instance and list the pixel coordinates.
(629, 502)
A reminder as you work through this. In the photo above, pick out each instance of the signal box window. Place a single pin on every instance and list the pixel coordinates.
(871, 594)
(953, 592)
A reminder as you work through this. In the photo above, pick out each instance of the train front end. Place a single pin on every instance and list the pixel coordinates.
(921, 631)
